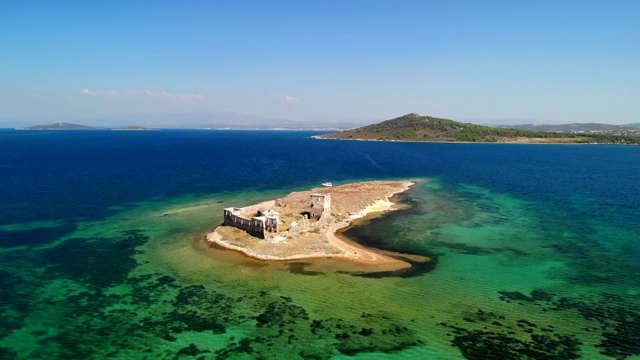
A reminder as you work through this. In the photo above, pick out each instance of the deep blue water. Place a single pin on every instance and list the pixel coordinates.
(73, 175)
(520, 235)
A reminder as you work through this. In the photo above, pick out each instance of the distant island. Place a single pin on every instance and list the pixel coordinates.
(302, 225)
(134, 128)
(70, 126)
(61, 126)
(414, 127)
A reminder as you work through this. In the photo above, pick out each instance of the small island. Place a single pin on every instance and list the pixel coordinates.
(303, 225)
(70, 126)
(134, 128)
(60, 126)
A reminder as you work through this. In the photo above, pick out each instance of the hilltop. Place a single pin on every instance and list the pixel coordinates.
(414, 127)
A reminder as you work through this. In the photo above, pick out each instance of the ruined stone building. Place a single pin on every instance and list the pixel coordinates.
(320, 205)
(256, 224)
(260, 219)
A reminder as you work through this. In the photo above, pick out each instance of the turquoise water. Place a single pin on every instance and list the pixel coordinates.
(535, 250)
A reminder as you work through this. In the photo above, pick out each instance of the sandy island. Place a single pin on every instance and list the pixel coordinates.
(299, 237)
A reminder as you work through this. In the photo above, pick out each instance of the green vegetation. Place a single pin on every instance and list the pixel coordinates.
(414, 127)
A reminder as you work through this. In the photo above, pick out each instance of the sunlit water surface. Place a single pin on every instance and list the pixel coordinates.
(535, 250)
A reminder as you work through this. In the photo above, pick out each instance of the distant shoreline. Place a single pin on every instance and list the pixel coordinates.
(319, 137)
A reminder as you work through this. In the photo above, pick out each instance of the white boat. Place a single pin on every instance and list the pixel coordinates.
(328, 184)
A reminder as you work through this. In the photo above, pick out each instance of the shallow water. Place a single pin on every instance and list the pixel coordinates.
(535, 251)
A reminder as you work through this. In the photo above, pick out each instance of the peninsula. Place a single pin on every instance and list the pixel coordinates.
(414, 127)
(303, 225)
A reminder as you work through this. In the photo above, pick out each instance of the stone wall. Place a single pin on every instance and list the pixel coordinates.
(255, 219)
(254, 226)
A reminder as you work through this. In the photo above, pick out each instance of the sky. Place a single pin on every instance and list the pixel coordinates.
(477, 61)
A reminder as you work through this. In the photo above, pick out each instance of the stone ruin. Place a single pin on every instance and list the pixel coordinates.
(320, 205)
(253, 219)
(260, 219)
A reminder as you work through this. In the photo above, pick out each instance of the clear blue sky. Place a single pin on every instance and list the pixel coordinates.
(550, 61)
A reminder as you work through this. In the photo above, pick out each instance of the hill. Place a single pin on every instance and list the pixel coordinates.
(60, 126)
(414, 127)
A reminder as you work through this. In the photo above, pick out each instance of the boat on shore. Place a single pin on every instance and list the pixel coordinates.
(327, 184)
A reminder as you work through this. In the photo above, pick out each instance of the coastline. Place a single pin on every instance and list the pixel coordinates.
(319, 137)
(341, 249)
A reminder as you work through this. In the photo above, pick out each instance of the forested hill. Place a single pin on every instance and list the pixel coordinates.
(414, 127)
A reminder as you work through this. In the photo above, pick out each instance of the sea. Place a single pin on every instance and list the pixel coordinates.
(535, 250)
